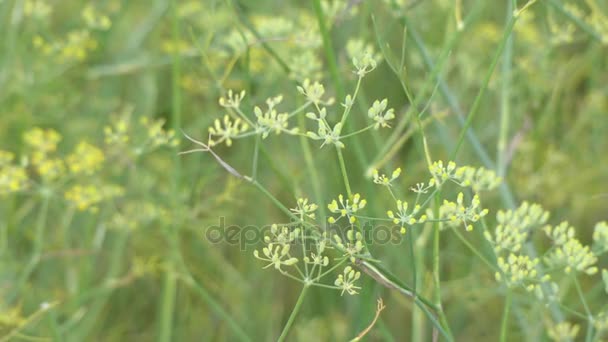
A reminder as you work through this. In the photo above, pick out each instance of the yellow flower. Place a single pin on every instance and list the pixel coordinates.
(12, 179)
(42, 140)
(85, 159)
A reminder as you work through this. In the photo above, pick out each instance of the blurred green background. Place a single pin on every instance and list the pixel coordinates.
(118, 249)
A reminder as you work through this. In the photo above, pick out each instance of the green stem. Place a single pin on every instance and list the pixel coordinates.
(256, 153)
(169, 291)
(484, 87)
(505, 99)
(38, 244)
(505, 317)
(329, 51)
(293, 315)
(474, 250)
(589, 335)
(343, 171)
(312, 170)
(437, 269)
(212, 302)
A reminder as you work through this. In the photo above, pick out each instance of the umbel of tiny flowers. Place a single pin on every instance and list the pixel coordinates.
(281, 235)
(519, 270)
(346, 281)
(457, 213)
(324, 132)
(346, 208)
(514, 227)
(362, 56)
(352, 246)
(276, 255)
(383, 179)
(600, 238)
(314, 93)
(568, 252)
(403, 218)
(379, 115)
(226, 130)
(271, 120)
(305, 209)
(232, 100)
(441, 173)
(479, 179)
(563, 331)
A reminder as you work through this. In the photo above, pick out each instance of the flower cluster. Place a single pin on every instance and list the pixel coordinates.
(441, 173)
(600, 237)
(363, 56)
(270, 120)
(87, 197)
(519, 270)
(86, 159)
(378, 113)
(281, 235)
(156, 134)
(479, 179)
(13, 178)
(568, 252)
(405, 218)
(314, 93)
(564, 331)
(276, 255)
(305, 209)
(346, 280)
(346, 208)
(232, 99)
(226, 130)
(330, 136)
(457, 213)
(514, 227)
(43, 144)
(144, 136)
(383, 179)
(352, 246)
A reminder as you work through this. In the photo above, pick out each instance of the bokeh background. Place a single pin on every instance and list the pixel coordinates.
(105, 238)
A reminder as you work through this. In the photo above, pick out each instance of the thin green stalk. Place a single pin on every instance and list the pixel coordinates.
(505, 99)
(311, 168)
(589, 334)
(38, 244)
(474, 250)
(445, 90)
(329, 50)
(505, 317)
(169, 291)
(213, 303)
(337, 80)
(484, 87)
(343, 171)
(256, 153)
(294, 313)
(437, 269)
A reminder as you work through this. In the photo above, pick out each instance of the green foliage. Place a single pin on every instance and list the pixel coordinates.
(492, 118)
